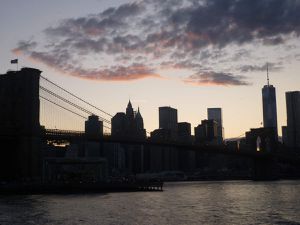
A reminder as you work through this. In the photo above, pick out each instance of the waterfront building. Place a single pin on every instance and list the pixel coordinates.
(186, 159)
(207, 132)
(293, 118)
(168, 120)
(118, 124)
(93, 127)
(161, 135)
(184, 132)
(129, 124)
(284, 135)
(216, 115)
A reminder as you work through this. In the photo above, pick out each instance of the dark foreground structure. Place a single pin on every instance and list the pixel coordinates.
(36, 159)
(39, 188)
(20, 142)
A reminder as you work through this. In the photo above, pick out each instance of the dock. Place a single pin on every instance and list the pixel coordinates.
(81, 188)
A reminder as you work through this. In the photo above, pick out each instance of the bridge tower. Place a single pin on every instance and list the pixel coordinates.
(19, 124)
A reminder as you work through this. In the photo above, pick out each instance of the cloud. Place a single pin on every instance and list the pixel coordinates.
(124, 11)
(216, 78)
(24, 46)
(256, 68)
(114, 73)
(187, 33)
(273, 40)
(110, 20)
(117, 73)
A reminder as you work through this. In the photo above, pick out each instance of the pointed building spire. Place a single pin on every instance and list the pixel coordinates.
(139, 120)
(138, 114)
(129, 104)
(129, 110)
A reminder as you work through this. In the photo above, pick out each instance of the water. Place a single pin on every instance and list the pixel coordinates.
(233, 202)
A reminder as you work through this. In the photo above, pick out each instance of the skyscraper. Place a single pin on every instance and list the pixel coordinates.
(184, 132)
(269, 106)
(293, 118)
(216, 114)
(93, 127)
(139, 120)
(129, 124)
(168, 119)
(207, 132)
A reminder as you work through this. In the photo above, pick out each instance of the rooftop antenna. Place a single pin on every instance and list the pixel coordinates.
(268, 74)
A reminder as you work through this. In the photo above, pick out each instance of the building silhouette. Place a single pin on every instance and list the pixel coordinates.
(168, 120)
(206, 132)
(269, 106)
(284, 135)
(161, 135)
(118, 125)
(293, 118)
(93, 127)
(216, 115)
(129, 124)
(184, 132)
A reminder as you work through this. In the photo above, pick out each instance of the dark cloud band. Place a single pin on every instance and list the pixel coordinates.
(179, 33)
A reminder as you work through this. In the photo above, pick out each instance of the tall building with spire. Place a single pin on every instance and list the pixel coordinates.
(129, 124)
(269, 105)
(139, 120)
(129, 111)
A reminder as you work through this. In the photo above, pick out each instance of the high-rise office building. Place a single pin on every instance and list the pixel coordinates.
(168, 119)
(129, 124)
(216, 114)
(269, 106)
(293, 118)
(93, 127)
(184, 132)
(207, 132)
(284, 135)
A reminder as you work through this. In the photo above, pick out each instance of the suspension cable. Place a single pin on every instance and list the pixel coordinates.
(76, 96)
(71, 103)
(68, 109)
(63, 107)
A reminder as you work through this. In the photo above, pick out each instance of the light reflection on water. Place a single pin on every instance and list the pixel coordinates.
(232, 202)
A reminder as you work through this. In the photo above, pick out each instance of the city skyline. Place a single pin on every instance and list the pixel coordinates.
(150, 112)
(233, 70)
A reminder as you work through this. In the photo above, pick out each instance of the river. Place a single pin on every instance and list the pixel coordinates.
(230, 202)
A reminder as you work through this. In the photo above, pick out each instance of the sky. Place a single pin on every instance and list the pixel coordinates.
(187, 54)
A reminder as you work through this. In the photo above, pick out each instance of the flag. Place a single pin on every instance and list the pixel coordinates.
(14, 61)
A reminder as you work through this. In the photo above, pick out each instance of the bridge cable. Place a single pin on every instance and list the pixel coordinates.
(76, 96)
(63, 107)
(68, 109)
(71, 103)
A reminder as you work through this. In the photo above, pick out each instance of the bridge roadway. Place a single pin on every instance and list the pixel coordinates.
(67, 135)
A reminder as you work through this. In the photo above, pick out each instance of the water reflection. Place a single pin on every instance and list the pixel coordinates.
(240, 202)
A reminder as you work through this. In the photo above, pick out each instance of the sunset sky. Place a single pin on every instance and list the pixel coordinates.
(190, 55)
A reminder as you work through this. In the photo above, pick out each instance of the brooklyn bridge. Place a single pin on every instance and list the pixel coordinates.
(47, 132)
